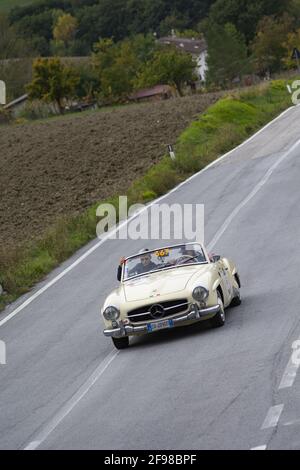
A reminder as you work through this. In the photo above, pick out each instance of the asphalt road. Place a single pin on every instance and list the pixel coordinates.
(65, 387)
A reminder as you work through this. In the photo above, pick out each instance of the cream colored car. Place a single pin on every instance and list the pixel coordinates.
(169, 287)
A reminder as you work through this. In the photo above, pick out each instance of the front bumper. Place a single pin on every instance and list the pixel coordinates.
(194, 314)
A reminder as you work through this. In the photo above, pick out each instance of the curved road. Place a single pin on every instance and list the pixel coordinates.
(64, 385)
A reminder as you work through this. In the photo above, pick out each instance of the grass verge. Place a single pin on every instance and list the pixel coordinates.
(222, 127)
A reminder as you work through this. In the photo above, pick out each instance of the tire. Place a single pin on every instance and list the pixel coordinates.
(219, 319)
(236, 301)
(121, 343)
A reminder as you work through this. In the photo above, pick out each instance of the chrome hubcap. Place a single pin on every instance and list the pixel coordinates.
(222, 312)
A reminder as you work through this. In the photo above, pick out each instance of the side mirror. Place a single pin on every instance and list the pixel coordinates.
(215, 258)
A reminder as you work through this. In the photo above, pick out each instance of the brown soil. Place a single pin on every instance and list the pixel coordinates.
(62, 166)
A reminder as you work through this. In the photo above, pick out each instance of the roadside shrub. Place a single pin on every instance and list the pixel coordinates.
(36, 110)
(149, 196)
(278, 85)
(191, 159)
(5, 117)
(227, 138)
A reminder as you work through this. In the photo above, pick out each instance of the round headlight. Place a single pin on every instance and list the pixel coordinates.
(111, 313)
(200, 294)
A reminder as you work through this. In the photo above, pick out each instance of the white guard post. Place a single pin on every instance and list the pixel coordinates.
(171, 152)
(2, 93)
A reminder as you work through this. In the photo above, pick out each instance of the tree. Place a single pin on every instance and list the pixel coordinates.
(292, 41)
(227, 54)
(293, 9)
(38, 29)
(245, 14)
(268, 45)
(168, 66)
(11, 46)
(16, 74)
(116, 19)
(189, 33)
(172, 22)
(118, 64)
(88, 86)
(52, 82)
(65, 28)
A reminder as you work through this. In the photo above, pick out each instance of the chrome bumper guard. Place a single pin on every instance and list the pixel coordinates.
(194, 314)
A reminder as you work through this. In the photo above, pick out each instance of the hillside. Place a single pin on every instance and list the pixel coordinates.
(6, 5)
(71, 28)
(62, 166)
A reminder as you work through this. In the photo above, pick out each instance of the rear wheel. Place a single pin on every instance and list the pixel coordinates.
(236, 301)
(219, 319)
(121, 343)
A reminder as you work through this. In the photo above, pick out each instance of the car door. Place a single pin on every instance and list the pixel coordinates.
(225, 281)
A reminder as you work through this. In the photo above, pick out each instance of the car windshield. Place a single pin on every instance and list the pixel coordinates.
(165, 258)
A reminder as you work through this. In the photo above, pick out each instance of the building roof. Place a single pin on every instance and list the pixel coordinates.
(16, 101)
(148, 92)
(193, 46)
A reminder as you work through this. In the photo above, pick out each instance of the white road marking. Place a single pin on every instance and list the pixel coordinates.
(33, 445)
(250, 196)
(98, 244)
(290, 374)
(273, 417)
(68, 407)
(259, 448)
(296, 422)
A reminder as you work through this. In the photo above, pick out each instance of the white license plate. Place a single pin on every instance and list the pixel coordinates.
(161, 325)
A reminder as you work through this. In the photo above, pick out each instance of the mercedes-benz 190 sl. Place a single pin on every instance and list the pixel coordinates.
(169, 287)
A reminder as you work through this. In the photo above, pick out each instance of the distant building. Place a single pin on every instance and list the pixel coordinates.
(159, 92)
(196, 47)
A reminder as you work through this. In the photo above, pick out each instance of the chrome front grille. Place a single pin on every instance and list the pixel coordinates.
(158, 310)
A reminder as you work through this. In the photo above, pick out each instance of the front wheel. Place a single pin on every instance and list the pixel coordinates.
(121, 343)
(219, 319)
(236, 301)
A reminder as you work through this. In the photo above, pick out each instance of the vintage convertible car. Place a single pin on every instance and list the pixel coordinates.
(169, 287)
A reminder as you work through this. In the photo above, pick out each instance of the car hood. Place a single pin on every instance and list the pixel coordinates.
(161, 284)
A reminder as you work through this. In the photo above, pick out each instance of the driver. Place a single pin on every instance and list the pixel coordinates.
(120, 267)
(190, 252)
(146, 264)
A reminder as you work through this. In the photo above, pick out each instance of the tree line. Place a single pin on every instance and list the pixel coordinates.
(243, 37)
(251, 37)
(114, 72)
(89, 20)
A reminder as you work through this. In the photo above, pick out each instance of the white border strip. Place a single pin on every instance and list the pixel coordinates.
(114, 231)
(273, 417)
(250, 196)
(68, 407)
(290, 373)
